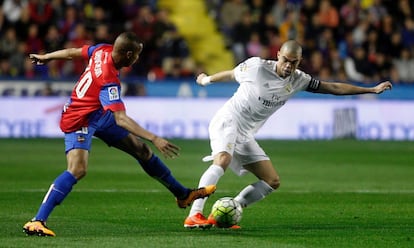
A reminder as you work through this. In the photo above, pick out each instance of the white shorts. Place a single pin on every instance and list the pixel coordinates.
(224, 137)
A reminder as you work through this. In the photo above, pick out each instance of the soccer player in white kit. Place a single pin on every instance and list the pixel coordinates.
(264, 87)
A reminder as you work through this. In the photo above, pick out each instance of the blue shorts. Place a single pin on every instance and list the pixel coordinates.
(102, 126)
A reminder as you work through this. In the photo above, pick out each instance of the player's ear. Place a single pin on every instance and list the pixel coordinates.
(299, 60)
(129, 54)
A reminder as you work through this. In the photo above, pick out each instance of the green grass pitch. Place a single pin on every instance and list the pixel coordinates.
(341, 193)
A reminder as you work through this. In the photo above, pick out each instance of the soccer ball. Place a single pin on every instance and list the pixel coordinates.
(226, 212)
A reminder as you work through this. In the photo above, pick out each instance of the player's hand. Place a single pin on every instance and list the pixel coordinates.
(168, 149)
(203, 79)
(383, 87)
(38, 59)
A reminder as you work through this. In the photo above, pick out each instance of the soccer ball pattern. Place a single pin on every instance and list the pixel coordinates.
(227, 212)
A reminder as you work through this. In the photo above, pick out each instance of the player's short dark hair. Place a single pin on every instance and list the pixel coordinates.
(128, 41)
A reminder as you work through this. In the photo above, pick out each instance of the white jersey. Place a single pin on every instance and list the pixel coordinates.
(261, 93)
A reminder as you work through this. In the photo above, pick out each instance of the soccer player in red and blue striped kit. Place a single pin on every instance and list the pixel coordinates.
(95, 108)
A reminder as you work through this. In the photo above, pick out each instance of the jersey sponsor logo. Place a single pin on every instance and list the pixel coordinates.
(275, 97)
(271, 103)
(113, 93)
(97, 59)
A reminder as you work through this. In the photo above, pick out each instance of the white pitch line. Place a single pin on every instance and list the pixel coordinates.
(137, 190)
(357, 191)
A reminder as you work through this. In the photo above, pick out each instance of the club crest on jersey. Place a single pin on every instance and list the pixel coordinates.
(288, 88)
(230, 146)
(113, 93)
(243, 67)
(81, 138)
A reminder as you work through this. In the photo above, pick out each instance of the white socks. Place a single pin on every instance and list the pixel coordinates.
(253, 193)
(249, 195)
(210, 176)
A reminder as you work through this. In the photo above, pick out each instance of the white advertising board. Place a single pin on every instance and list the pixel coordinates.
(189, 118)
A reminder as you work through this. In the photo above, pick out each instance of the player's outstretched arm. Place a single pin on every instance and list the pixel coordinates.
(167, 148)
(337, 88)
(223, 76)
(68, 53)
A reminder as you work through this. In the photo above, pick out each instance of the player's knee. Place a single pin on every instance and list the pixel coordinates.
(78, 172)
(274, 182)
(223, 159)
(77, 168)
(136, 148)
(143, 152)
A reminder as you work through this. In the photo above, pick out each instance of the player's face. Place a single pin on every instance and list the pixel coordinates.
(287, 63)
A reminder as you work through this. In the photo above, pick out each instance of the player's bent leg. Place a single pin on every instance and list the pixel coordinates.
(61, 187)
(253, 193)
(77, 162)
(257, 191)
(156, 168)
(57, 192)
(184, 196)
(265, 171)
(38, 228)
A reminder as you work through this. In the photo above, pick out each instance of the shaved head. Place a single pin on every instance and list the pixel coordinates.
(291, 47)
(126, 51)
(127, 41)
(288, 58)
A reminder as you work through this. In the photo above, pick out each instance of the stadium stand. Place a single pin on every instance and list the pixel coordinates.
(360, 41)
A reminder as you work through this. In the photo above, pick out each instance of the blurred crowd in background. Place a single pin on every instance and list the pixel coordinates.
(349, 40)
